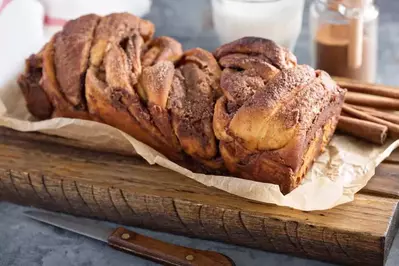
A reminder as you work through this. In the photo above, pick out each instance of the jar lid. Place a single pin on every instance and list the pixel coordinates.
(357, 3)
(342, 6)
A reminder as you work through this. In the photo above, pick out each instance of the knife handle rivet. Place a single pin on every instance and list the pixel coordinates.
(125, 236)
(190, 257)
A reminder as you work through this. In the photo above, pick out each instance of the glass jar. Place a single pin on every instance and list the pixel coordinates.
(278, 20)
(345, 38)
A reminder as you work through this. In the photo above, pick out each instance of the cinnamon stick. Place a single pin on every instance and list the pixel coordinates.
(366, 130)
(380, 114)
(367, 88)
(393, 129)
(345, 114)
(371, 100)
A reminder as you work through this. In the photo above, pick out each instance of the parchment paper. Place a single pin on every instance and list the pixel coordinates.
(342, 170)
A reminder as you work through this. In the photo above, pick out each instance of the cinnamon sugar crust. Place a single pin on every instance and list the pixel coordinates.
(161, 49)
(192, 103)
(246, 110)
(275, 116)
(278, 56)
(37, 100)
(71, 57)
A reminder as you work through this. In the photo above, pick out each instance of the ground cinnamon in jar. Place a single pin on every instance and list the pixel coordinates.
(334, 46)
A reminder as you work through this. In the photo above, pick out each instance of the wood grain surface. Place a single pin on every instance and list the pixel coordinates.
(48, 174)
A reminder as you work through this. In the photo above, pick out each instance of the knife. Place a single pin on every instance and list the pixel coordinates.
(128, 241)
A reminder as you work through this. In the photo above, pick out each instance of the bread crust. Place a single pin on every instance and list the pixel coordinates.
(276, 116)
(247, 110)
(37, 101)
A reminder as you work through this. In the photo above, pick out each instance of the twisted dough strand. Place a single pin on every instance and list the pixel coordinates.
(248, 109)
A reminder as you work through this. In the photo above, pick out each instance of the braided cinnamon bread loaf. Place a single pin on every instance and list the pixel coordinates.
(248, 109)
(275, 116)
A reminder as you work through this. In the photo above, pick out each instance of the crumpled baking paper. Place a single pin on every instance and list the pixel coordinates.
(342, 170)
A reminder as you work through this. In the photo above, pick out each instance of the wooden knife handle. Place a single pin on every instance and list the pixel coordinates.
(165, 253)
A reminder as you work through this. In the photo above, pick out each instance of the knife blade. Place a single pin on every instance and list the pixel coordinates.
(131, 242)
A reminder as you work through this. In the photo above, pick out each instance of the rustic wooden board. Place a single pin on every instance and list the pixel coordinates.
(39, 170)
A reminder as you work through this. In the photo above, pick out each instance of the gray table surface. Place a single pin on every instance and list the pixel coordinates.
(25, 242)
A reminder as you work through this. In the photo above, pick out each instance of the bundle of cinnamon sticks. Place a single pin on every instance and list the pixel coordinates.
(369, 111)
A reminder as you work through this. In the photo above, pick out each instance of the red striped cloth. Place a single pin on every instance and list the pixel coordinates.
(48, 21)
(4, 4)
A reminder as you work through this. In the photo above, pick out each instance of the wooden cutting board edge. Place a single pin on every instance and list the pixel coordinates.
(391, 232)
(281, 232)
